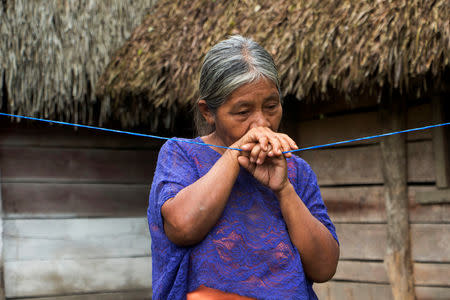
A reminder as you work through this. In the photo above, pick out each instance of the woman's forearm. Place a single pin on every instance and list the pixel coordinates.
(190, 215)
(318, 249)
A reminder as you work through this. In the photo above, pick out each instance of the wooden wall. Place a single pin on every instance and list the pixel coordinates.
(351, 182)
(74, 212)
(74, 209)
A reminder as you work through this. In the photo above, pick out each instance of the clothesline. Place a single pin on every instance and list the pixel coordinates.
(224, 147)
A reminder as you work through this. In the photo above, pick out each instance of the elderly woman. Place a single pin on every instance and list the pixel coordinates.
(229, 224)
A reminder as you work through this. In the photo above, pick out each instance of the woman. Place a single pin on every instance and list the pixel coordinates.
(228, 224)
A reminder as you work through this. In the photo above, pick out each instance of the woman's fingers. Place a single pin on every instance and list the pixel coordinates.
(262, 156)
(254, 154)
(246, 164)
(254, 135)
(261, 142)
(272, 140)
(244, 161)
(276, 146)
(288, 144)
(285, 146)
(290, 141)
(247, 147)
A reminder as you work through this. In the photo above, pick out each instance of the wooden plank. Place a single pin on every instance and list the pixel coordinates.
(307, 110)
(440, 196)
(60, 277)
(339, 128)
(362, 165)
(432, 274)
(366, 205)
(361, 271)
(334, 290)
(375, 272)
(420, 168)
(75, 238)
(44, 135)
(22, 200)
(134, 295)
(77, 165)
(440, 144)
(430, 242)
(432, 293)
(345, 204)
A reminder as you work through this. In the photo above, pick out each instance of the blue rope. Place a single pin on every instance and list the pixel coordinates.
(368, 137)
(119, 131)
(224, 147)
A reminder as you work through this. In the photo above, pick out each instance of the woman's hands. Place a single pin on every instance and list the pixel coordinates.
(263, 156)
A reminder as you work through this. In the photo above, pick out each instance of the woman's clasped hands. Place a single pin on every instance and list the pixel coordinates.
(262, 155)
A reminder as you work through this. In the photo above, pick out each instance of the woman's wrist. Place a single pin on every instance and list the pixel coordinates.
(285, 191)
(232, 156)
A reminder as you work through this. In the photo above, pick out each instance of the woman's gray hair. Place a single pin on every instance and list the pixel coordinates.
(227, 66)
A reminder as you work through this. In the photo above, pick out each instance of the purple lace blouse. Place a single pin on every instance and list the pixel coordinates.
(248, 251)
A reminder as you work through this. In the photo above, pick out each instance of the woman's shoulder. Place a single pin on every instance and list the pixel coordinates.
(186, 150)
(299, 171)
(181, 144)
(298, 163)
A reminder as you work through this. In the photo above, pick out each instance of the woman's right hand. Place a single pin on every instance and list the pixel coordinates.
(263, 156)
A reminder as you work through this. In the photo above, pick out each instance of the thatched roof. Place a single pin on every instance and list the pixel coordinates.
(344, 46)
(52, 53)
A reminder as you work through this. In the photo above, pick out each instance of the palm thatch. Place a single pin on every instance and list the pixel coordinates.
(52, 53)
(343, 46)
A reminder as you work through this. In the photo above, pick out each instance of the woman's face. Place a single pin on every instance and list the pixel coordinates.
(255, 104)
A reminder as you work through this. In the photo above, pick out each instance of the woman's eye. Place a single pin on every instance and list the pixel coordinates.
(243, 112)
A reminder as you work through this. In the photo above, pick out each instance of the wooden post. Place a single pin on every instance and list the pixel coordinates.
(440, 144)
(397, 261)
(2, 281)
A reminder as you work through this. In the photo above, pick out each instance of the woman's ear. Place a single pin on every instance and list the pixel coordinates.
(206, 112)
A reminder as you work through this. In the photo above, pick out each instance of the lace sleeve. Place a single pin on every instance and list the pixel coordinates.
(174, 171)
(309, 192)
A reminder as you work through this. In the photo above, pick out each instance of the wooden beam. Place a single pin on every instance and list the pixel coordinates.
(36, 134)
(66, 200)
(440, 144)
(433, 197)
(362, 165)
(335, 290)
(365, 204)
(425, 274)
(70, 165)
(398, 260)
(44, 278)
(41, 239)
(145, 294)
(429, 242)
(342, 127)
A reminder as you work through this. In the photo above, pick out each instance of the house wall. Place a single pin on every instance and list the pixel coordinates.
(351, 182)
(74, 207)
(74, 212)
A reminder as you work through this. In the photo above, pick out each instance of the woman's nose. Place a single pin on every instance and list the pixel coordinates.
(260, 120)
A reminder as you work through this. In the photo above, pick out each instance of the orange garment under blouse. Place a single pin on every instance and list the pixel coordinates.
(206, 293)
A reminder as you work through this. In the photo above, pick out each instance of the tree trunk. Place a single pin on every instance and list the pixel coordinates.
(397, 261)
